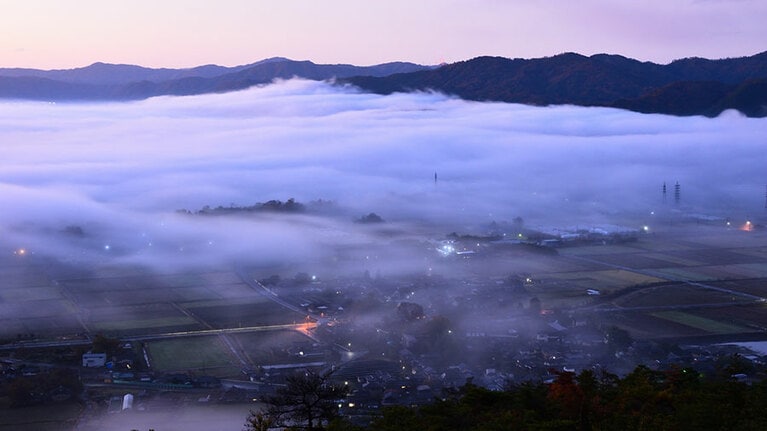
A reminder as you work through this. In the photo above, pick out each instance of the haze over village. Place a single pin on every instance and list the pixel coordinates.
(181, 247)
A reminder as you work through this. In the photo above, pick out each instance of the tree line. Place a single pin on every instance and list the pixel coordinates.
(646, 399)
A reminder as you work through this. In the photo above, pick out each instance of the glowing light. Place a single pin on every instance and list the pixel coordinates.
(645, 228)
(446, 249)
(21, 252)
(107, 247)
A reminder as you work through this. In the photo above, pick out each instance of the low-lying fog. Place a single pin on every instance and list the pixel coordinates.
(79, 180)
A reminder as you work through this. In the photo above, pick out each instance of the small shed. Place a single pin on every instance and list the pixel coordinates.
(128, 402)
(94, 360)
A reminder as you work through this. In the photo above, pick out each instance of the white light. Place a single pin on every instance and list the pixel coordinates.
(106, 247)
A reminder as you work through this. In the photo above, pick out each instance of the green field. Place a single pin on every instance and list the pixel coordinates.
(191, 353)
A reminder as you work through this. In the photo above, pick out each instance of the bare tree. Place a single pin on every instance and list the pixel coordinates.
(308, 401)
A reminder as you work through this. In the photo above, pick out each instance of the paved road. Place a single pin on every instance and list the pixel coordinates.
(268, 293)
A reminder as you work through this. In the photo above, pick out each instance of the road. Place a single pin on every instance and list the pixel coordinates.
(263, 290)
(260, 288)
(301, 327)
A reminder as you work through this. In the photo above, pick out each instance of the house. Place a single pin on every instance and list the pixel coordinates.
(94, 360)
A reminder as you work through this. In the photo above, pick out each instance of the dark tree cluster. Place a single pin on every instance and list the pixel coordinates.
(370, 218)
(274, 205)
(677, 399)
(58, 384)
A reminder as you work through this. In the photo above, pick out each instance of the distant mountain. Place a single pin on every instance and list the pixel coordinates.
(692, 86)
(101, 81)
(113, 74)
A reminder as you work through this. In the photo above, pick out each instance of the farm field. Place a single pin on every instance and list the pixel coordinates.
(119, 302)
(671, 295)
(211, 355)
(675, 283)
(713, 280)
(267, 348)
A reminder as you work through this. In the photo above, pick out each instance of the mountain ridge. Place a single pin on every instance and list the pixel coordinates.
(688, 86)
(598, 80)
(104, 81)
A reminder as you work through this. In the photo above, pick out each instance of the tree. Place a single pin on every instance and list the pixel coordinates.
(104, 344)
(409, 311)
(21, 392)
(618, 339)
(370, 218)
(308, 401)
(258, 421)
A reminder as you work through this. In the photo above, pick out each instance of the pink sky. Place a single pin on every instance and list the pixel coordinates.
(52, 34)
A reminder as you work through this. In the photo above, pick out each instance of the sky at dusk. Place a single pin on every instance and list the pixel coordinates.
(53, 34)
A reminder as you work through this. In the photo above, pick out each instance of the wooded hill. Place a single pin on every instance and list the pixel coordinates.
(692, 86)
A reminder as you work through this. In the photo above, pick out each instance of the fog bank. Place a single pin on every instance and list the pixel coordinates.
(121, 170)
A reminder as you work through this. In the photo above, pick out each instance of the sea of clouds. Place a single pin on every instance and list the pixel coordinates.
(121, 170)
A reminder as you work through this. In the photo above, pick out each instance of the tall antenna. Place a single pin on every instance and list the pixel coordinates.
(435, 178)
(664, 192)
(677, 194)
